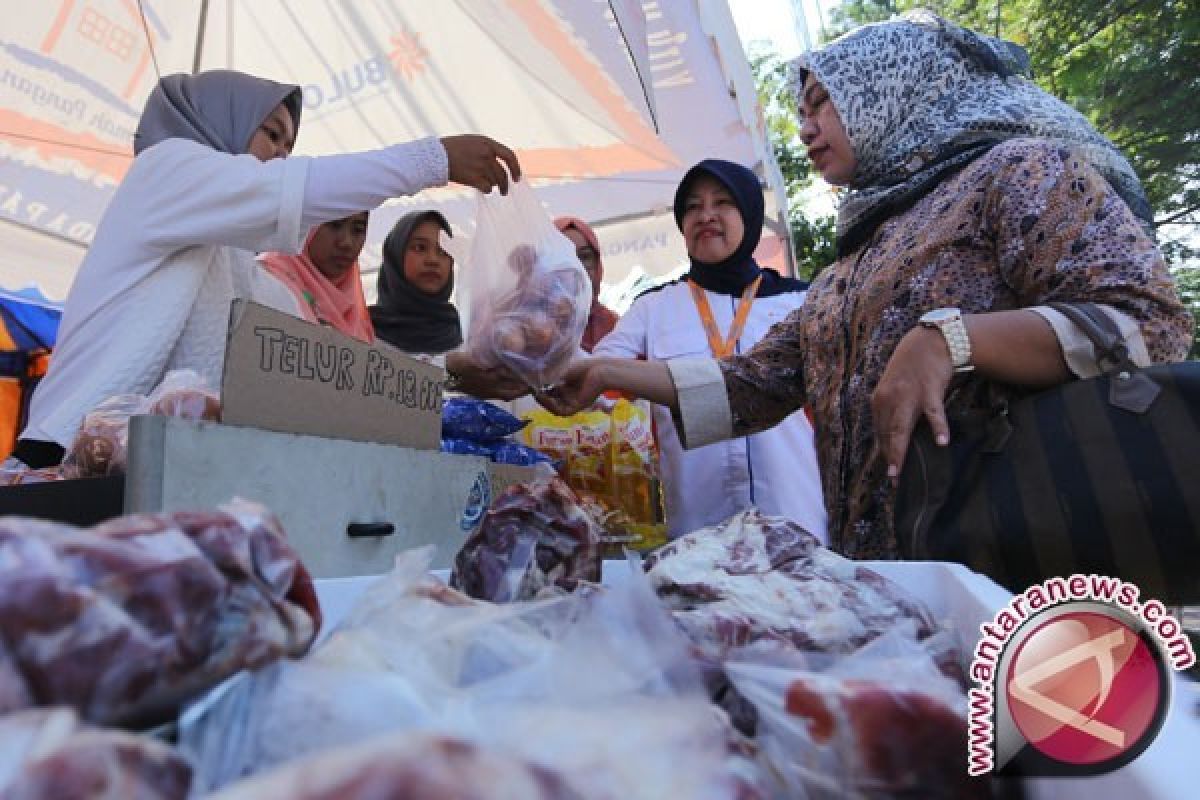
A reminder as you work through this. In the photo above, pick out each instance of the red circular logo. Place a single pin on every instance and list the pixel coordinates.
(1084, 688)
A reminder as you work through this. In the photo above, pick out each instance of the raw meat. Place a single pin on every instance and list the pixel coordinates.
(49, 754)
(756, 577)
(534, 536)
(889, 741)
(126, 620)
(407, 767)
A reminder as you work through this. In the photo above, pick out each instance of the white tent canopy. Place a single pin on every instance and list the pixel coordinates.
(575, 86)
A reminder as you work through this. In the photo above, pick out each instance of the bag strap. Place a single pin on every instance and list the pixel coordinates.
(1131, 389)
(1112, 351)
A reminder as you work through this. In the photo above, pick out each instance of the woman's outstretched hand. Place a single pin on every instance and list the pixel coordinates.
(479, 161)
(577, 390)
(913, 385)
(490, 383)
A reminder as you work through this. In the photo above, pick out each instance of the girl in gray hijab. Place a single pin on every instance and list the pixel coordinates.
(210, 186)
(416, 279)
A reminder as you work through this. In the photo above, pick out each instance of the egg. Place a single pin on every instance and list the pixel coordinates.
(93, 454)
(508, 336)
(540, 333)
(188, 404)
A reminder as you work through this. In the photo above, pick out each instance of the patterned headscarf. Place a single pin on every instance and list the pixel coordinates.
(921, 97)
(219, 108)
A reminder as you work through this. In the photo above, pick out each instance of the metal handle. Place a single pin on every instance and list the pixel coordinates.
(360, 530)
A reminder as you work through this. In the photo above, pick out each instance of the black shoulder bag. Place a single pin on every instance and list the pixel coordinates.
(1095, 476)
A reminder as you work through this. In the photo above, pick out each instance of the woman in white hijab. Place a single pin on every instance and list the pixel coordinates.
(210, 186)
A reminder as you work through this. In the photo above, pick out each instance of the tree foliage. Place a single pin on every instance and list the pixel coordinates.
(1132, 67)
(1188, 280)
(812, 235)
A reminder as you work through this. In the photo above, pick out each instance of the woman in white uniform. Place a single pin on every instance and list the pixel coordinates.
(209, 187)
(723, 305)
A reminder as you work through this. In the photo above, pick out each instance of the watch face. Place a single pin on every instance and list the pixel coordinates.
(939, 315)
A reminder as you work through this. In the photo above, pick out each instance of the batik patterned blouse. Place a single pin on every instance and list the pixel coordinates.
(1026, 224)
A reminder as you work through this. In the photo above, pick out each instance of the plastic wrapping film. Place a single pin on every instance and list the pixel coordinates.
(101, 446)
(47, 754)
(127, 620)
(527, 295)
(881, 722)
(595, 686)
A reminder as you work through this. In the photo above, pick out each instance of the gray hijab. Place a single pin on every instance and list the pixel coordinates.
(404, 316)
(920, 98)
(220, 108)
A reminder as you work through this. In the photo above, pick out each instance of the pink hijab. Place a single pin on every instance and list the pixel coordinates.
(601, 320)
(340, 305)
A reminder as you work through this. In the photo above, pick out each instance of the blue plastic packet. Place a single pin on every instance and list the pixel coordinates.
(519, 454)
(477, 420)
(466, 447)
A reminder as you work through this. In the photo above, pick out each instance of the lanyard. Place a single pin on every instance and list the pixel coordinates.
(723, 348)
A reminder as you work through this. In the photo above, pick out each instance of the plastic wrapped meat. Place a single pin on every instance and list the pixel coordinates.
(14, 473)
(50, 754)
(101, 446)
(534, 536)
(756, 577)
(893, 739)
(126, 620)
(882, 722)
(766, 581)
(408, 766)
(596, 686)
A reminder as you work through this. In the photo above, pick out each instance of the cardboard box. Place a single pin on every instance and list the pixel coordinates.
(284, 374)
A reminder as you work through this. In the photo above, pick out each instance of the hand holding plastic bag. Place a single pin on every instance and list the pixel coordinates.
(527, 296)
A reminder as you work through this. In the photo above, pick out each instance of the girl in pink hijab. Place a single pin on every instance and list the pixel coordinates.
(325, 276)
(587, 248)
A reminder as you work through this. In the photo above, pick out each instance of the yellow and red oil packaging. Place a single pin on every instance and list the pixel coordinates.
(610, 459)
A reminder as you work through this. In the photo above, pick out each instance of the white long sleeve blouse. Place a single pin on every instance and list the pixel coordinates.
(775, 471)
(177, 245)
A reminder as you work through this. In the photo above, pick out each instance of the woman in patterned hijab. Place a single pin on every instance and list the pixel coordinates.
(974, 200)
(921, 98)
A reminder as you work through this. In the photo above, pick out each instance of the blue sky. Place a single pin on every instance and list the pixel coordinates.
(774, 21)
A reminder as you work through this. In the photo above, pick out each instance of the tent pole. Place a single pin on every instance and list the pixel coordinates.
(200, 36)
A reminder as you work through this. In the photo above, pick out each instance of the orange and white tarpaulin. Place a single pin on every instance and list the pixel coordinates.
(575, 86)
